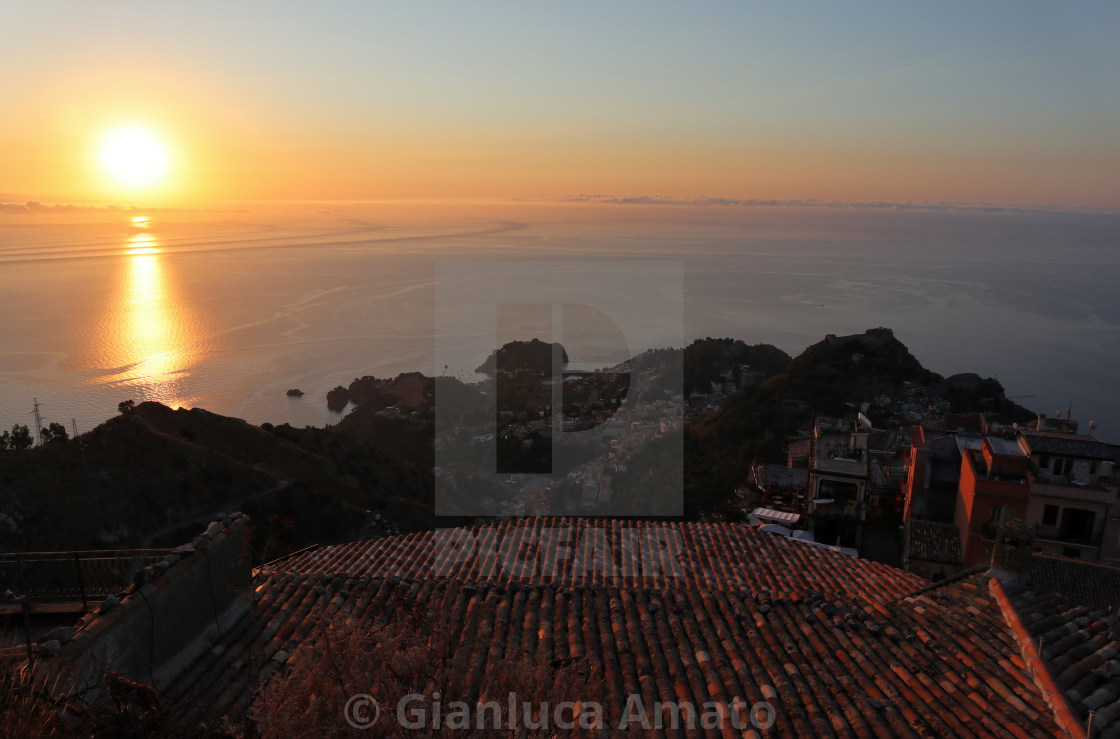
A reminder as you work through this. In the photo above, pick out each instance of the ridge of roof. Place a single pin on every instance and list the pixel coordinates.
(615, 553)
(952, 579)
(1037, 665)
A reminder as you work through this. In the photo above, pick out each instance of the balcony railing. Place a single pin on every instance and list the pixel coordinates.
(1095, 482)
(74, 577)
(851, 510)
(1077, 539)
(1048, 533)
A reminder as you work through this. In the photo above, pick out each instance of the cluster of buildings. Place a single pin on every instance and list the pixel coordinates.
(845, 470)
(1062, 483)
(951, 483)
(619, 439)
(604, 437)
(625, 437)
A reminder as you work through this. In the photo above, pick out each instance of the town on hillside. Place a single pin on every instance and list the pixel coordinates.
(860, 546)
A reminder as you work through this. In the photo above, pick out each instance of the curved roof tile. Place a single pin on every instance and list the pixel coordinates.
(835, 644)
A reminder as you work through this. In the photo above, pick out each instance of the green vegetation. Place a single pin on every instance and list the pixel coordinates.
(55, 433)
(16, 440)
(708, 361)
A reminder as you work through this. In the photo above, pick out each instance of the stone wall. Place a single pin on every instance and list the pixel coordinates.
(176, 611)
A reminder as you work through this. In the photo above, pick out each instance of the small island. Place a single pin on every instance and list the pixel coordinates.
(295, 393)
(338, 398)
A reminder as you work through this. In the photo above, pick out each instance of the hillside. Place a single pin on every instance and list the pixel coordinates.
(149, 477)
(708, 361)
(533, 355)
(848, 369)
(136, 479)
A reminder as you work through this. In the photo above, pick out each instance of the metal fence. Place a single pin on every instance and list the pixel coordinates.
(73, 577)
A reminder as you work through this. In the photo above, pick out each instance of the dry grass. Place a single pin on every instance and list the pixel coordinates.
(28, 711)
(413, 654)
(22, 713)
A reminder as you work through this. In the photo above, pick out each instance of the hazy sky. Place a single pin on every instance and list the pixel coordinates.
(1013, 102)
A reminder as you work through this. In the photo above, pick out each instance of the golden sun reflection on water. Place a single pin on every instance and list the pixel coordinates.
(148, 339)
(143, 244)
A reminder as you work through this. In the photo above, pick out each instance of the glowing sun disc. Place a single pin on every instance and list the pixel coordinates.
(134, 157)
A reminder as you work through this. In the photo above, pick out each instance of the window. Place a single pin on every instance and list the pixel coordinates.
(840, 492)
(1043, 462)
(1078, 525)
(1000, 514)
(1050, 515)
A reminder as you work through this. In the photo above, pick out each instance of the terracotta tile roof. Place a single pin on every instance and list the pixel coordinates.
(940, 664)
(736, 613)
(1081, 648)
(1089, 583)
(1071, 445)
(613, 553)
(933, 542)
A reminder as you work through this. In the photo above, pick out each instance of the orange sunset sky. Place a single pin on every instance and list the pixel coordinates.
(978, 102)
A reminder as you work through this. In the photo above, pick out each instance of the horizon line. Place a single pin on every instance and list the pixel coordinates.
(14, 204)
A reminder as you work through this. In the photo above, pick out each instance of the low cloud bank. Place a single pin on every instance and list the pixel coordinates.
(957, 207)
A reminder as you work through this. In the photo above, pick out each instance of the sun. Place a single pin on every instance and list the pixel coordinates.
(134, 157)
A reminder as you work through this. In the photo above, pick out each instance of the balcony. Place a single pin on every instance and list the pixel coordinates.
(1074, 538)
(73, 580)
(1094, 482)
(1051, 534)
(852, 510)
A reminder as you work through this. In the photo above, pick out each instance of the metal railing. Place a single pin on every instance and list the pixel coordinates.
(850, 510)
(74, 577)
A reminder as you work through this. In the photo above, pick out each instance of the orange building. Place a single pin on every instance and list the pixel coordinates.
(994, 489)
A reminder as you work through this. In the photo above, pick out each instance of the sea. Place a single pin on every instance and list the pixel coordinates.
(228, 307)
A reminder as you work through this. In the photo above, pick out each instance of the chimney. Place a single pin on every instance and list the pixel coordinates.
(1012, 552)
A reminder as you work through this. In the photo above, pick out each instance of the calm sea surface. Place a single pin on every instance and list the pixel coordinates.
(227, 311)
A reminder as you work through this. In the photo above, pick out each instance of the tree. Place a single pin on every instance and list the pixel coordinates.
(126, 406)
(54, 434)
(19, 438)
